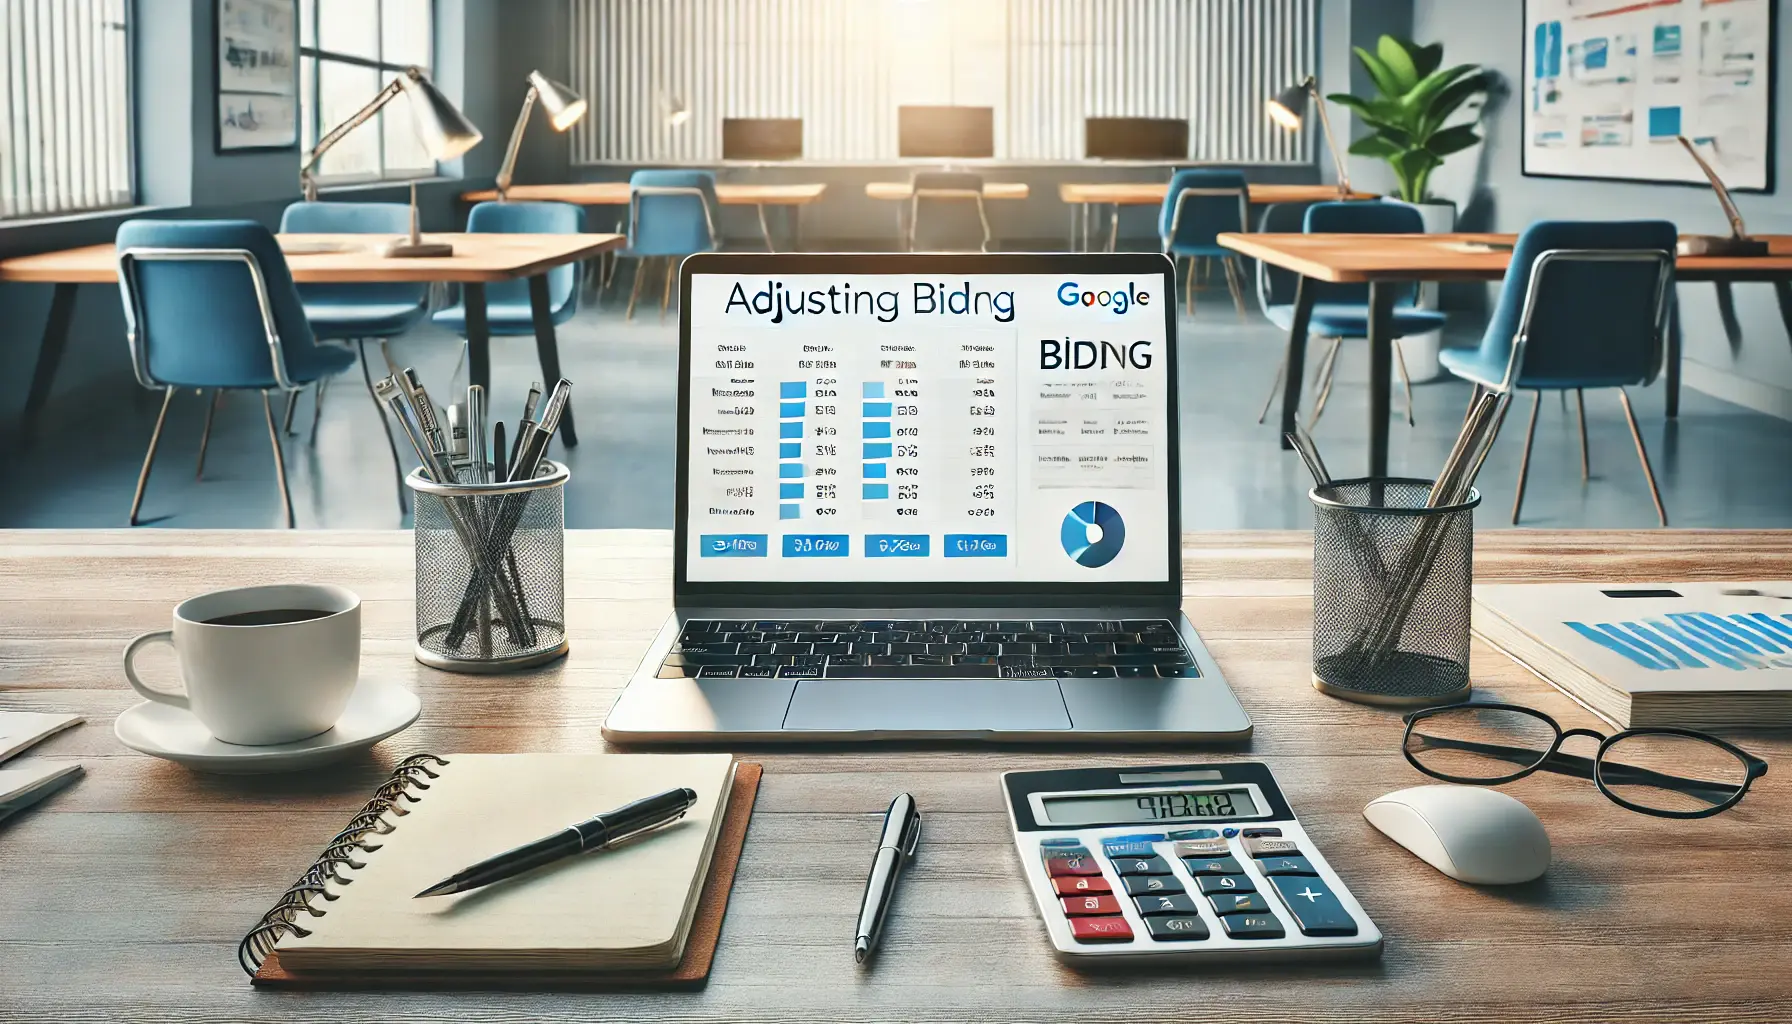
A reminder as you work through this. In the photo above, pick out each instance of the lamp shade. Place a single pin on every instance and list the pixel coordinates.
(445, 131)
(563, 106)
(1289, 107)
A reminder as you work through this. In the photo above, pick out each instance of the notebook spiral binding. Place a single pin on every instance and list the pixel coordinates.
(411, 775)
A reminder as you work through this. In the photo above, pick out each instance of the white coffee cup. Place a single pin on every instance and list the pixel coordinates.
(262, 684)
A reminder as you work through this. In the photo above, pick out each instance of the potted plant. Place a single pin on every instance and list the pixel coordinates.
(1410, 129)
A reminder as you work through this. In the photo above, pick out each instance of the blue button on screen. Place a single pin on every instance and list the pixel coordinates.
(815, 545)
(896, 545)
(976, 545)
(732, 545)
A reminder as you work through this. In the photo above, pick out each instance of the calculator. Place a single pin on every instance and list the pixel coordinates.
(1189, 863)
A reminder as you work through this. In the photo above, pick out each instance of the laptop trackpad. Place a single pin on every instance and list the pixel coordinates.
(927, 705)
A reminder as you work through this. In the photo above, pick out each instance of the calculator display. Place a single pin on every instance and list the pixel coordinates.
(1163, 805)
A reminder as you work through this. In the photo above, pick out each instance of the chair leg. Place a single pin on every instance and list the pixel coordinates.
(205, 436)
(1234, 277)
(267, 408)
(666, 290)
(634, 291)
(1188, 288)
(292, 402)
(1586, 462)
(149, 459)
(1405, 380)
(385, 425)
(1324, 383)
(1524, 460)
(1274, 388)
(317, 406)
(1642, 455)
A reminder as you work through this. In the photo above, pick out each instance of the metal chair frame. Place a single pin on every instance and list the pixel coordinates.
(634, 219)
(1234, 274)
(914, 211)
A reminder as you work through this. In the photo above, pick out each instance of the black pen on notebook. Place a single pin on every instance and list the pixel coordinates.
(596, 833)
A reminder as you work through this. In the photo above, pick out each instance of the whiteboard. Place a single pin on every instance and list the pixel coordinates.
(1608, 84)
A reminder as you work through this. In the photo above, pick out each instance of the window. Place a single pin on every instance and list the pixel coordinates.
(65, 106)
(348, 51)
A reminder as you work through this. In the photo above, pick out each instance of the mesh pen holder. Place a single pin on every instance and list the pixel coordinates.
(491, 582)
(1391, 593)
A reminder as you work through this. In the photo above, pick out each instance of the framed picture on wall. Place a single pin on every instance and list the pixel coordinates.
(1609, 85)
(257, 80)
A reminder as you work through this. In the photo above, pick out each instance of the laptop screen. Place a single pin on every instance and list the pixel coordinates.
(946, 425)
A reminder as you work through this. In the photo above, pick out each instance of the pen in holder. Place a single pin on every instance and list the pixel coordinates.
(491, 584)
(1392, 577)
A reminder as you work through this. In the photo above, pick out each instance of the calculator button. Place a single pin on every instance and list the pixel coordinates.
(1059, 863)
(1214, 866)
(1126, 850)
(1286, 866)
(1255, 833)
(1201, 848)
(1145, 885)
(1211, 884)
(1252, 926)
(1077, 885)
(1239, 903)
(1195, 833)
(1100, 929)
(1313, 906)
(1270, 847)
(1062, 841)
(1169, 903)
(1176, 929)
(1090, 906)
(1152, 865)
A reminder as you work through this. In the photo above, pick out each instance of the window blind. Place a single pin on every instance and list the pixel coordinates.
(65, 106)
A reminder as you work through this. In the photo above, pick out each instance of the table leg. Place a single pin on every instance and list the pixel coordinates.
(547, 348)
(764, 231)
(1072, 246)
(1381, 370)
(49, 355)
(796, 227)
(1294, 380)
(1085, 217)
(1114, 228)
(1675, 344)
(479, 337)
(901, 226)
(1782, 290)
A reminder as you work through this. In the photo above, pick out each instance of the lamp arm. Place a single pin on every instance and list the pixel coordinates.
(508, 169)
(1737, 228)
(1331, 140)
(307, 183)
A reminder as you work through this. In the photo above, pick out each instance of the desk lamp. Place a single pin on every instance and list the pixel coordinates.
(1289, 107)
(564, 108)
(1737, 242)
(445, 131)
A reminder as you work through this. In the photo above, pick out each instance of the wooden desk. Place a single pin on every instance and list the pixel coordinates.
(124, 895)
(615, 193)
(478, 260)
(1084, 196)
(1385, 262)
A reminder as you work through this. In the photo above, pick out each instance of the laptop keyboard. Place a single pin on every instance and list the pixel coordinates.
(928, 649)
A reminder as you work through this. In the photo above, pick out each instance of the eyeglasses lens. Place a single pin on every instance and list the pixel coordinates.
(1664, 772)
(1479, 743)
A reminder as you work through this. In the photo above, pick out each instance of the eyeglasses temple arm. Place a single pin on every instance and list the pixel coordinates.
(1582, 767)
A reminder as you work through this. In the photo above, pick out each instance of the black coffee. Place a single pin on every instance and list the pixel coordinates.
(268, 617)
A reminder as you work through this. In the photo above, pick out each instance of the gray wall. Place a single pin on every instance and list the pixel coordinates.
(1750, 364)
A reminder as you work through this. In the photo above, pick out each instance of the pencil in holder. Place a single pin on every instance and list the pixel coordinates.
(491, 581)
(1392, 583)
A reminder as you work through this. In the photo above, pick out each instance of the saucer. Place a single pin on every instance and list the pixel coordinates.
(375, 711)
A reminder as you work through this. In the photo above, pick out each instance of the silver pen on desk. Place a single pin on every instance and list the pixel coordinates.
(477, 435)
(901, 835)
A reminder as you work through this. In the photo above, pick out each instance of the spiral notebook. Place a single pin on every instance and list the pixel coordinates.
(646, 912)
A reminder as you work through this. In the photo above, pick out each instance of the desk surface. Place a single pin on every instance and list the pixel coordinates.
(615, 193)
(124, 896)
(900, 190)
(1358, 258)
(481, 257)
(1151, 193)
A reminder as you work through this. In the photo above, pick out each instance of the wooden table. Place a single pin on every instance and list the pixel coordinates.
(122, 898)
(1084, 196)
(478, 260)
(1388, 262)
(615, 193)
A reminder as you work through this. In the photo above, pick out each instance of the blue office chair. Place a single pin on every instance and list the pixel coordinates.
(671, 215)
(1200, 205)
(1341, 311)
(209, 304)
(356, 312)
(507, 310)
(945, 193)
(1584, 305)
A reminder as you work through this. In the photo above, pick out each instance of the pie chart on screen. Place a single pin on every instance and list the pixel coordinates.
(1092, 534)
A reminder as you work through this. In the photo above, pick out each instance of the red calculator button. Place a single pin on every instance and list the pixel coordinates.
(1061, 865)
(1100, 929)
(1080, 906)
(1077, 885)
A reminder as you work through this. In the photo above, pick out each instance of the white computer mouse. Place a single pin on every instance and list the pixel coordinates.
(1471, 833)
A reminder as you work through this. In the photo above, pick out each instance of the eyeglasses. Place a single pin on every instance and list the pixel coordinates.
(1669, 773)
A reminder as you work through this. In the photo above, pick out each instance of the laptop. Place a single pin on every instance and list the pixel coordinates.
(927, 497)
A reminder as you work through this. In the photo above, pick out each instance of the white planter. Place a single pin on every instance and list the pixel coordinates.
(1420, 350)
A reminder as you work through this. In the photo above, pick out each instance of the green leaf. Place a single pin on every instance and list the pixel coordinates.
(1375, 146)
(1424, 95)
(1394, 133)
(1427, 59)
(1397, 55)
(1449, 101)
(1413, 168)
(1452, 140)
(1344, 99)
(1385, 80)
